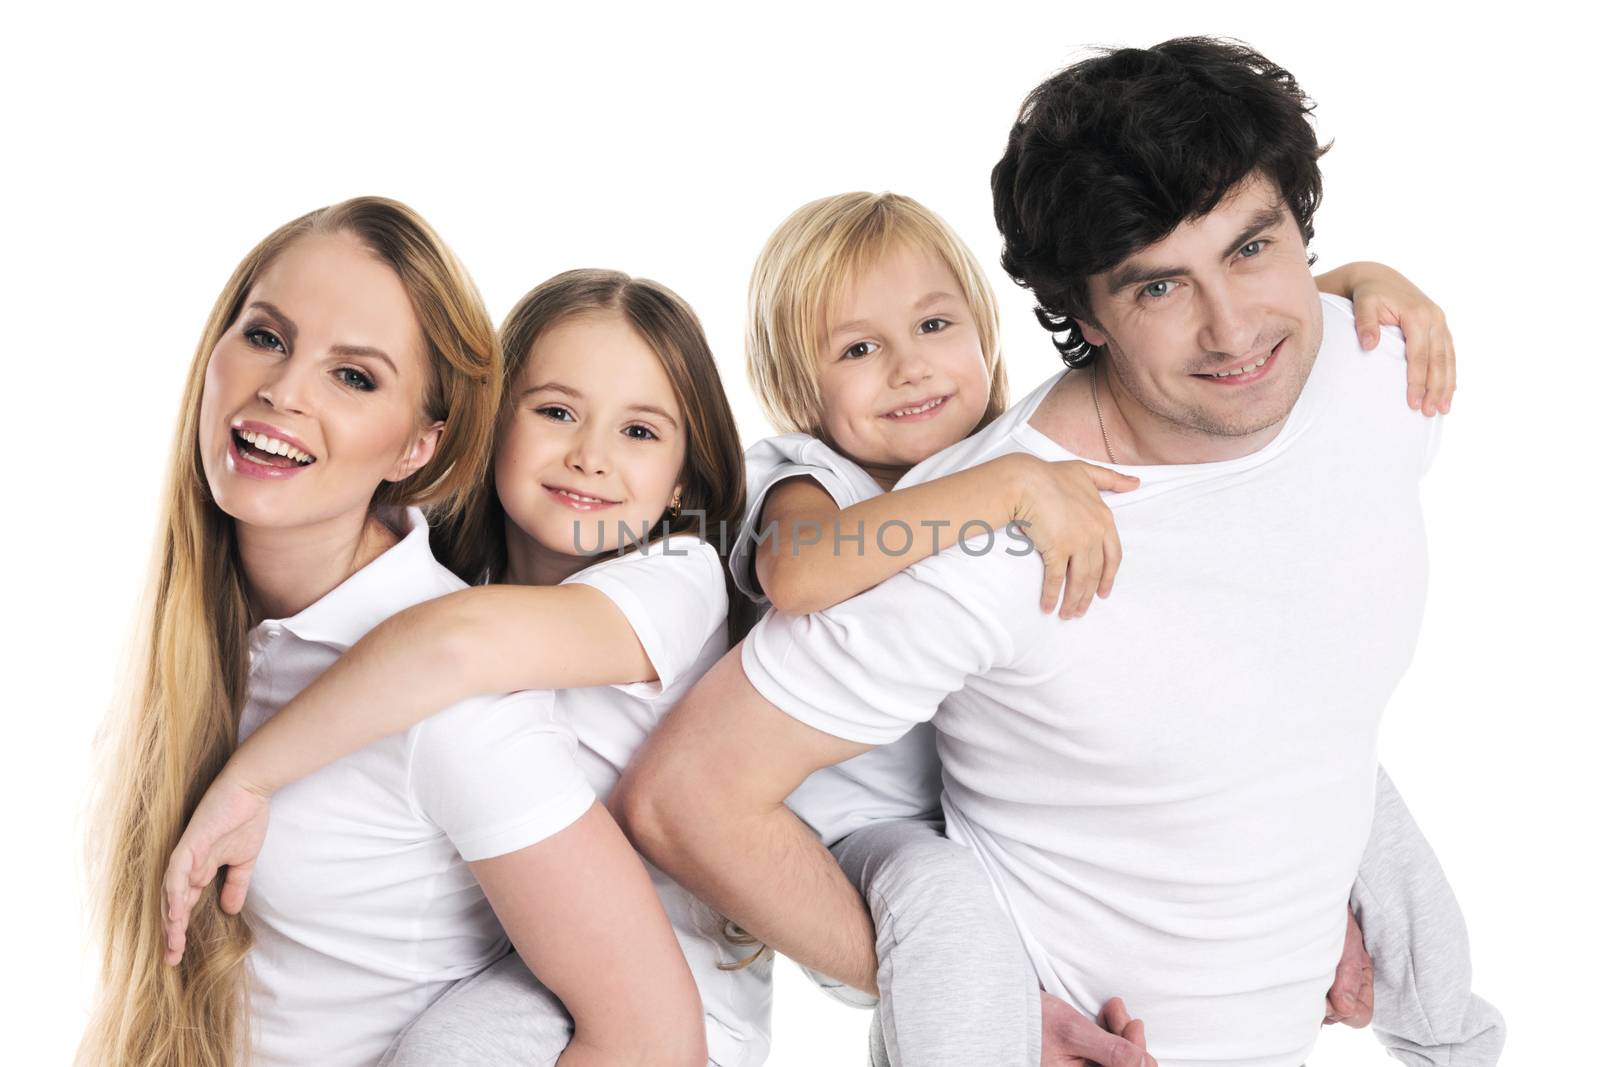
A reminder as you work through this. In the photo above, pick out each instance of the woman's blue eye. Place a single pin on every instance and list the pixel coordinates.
(645, 433)
(934, 325)
(262, 338)
(356, 379)
(1157, 290)
(559, 414)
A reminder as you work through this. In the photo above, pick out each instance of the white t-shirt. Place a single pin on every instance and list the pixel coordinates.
(1172, 794)
(673, 595)
(898, 780)
(362, 904)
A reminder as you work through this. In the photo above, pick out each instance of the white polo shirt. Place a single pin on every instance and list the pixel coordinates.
(1172, 794)
(363, 907)
(898, 780)
(673, 595)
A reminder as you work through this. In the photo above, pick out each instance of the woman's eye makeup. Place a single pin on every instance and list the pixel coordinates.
(261, 337)
(356, 379)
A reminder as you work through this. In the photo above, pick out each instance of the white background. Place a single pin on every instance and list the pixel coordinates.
(147, 149)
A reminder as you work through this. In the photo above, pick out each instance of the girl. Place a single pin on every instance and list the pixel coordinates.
(872, 339)
(348, 372)
(613, 426)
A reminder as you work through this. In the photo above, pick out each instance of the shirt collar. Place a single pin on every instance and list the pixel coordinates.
(397, 579)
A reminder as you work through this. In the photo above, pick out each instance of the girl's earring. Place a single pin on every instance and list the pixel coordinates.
(676, 505)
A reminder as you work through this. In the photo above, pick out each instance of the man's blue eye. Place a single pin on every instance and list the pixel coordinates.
(1158, 289)
(1252, 249)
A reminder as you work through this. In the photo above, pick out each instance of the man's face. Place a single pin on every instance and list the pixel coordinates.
(1211, 331)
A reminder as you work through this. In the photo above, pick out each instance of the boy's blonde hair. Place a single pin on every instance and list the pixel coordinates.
(809, 260)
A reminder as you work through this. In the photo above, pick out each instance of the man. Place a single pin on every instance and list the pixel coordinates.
(1171, 797)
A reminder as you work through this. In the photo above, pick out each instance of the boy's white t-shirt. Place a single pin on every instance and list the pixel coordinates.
(1170, 795)
(899, 780)
(673, 594)
(362, 904)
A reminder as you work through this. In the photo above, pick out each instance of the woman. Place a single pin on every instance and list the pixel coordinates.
(348, 369)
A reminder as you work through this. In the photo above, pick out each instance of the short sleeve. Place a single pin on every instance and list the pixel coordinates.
(777, 459)
(869, 669)
(497, 775)
(673, 595)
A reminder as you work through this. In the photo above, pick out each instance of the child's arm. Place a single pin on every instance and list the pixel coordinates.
(488, 639)
(1385, 297)
(803, 567)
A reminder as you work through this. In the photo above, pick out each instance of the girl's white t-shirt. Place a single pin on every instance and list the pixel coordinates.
(362, 904)
(673, 594)
(899, 780)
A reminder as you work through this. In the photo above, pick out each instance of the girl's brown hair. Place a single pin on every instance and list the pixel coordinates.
(473, 544)
(180, 718)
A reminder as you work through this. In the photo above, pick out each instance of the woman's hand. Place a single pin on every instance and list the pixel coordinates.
(1060, 509)
(1071, 1039)
(227, 829)
(1385, 297)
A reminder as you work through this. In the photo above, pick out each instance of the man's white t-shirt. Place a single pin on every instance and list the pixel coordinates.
(362, 904)
(673, 595)
(1171, 795)
(898, 780)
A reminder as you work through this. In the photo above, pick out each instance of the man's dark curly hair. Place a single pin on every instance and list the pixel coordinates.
(1111, 154)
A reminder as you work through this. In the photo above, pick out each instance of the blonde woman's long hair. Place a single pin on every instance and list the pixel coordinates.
(178, 720)
(806, 264)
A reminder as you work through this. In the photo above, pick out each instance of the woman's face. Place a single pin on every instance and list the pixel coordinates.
(312, 397)
(590, 453)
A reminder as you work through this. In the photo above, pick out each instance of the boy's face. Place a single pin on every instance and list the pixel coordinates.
(1212, 330)
(901, 369)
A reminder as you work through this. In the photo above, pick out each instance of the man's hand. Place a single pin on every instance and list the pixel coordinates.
(1349, 999)
(1072, 1039)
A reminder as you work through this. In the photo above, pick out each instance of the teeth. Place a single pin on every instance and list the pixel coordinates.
(935, 402)
(272, 446)
(1240, 370)
(580, 496)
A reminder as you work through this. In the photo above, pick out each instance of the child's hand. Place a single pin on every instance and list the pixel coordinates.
(227, 828)
(1071, 1039)
(1385, 297)
(1060, 509)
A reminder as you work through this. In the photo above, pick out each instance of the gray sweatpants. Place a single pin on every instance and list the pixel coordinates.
(501, 1015)
(1425, 1012)
(943, 941)
(955, 986)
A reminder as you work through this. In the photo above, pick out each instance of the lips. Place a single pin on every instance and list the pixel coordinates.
(917, 411)
(576, 500)
(1246, 371)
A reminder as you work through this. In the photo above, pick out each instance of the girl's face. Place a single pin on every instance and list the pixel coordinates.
(901, 372)
(593, 445)
(311, 398)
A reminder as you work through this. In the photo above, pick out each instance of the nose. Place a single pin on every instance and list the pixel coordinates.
(908, 365)
(286, 385)
(1230, 323)
(589, 453)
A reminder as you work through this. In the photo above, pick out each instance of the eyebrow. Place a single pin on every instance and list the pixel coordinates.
(286, 324)
(855, 324)
(567, 390)
(1134, 274)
